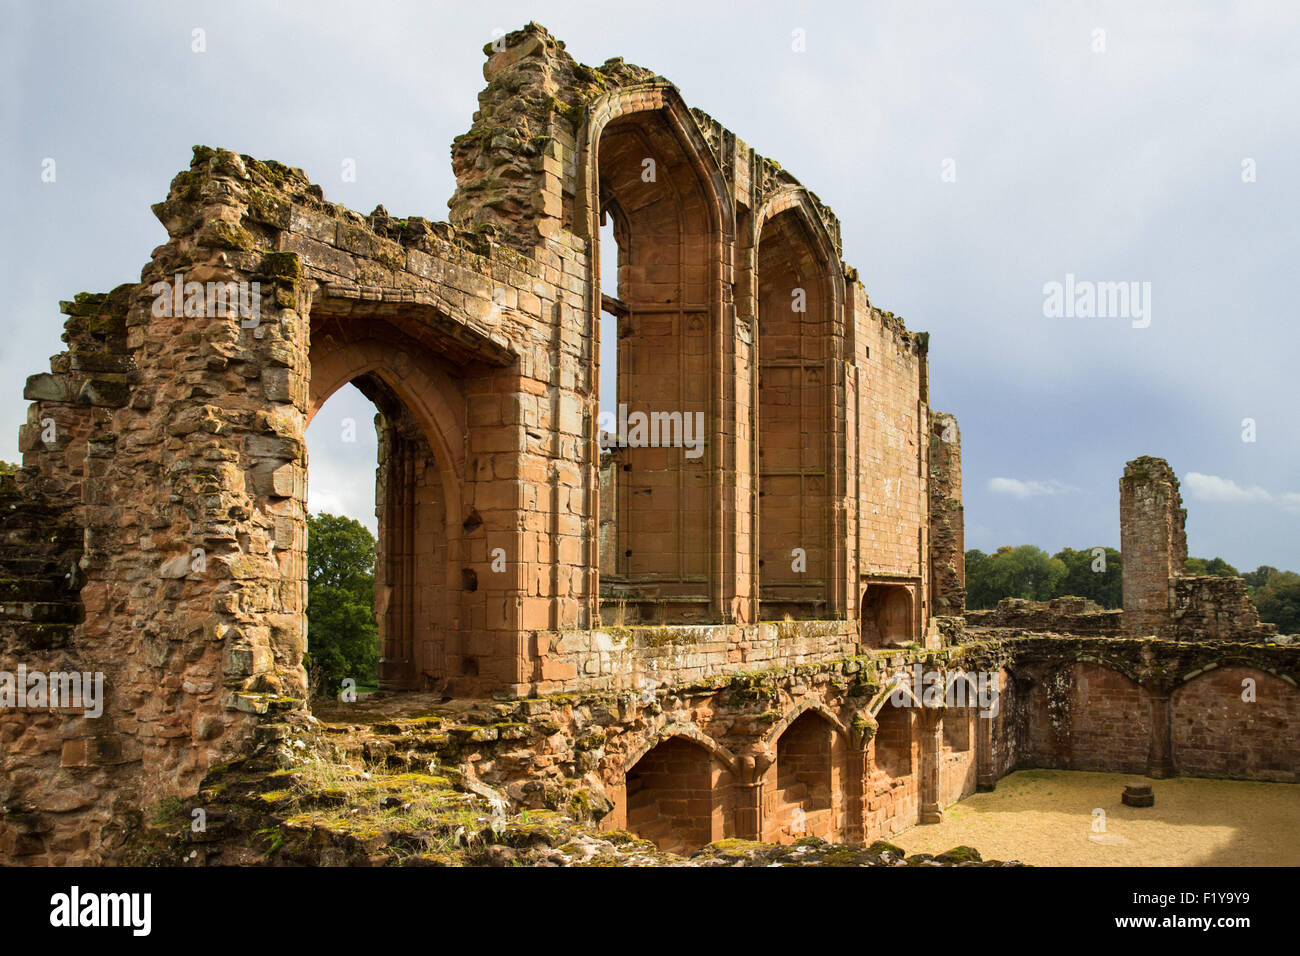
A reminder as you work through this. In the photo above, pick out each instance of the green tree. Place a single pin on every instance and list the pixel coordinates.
(977, 584)
(1259, 577)
(1090, 575)
(342, 637)
(1020, 572)
(1278, 601)
(1215, 567)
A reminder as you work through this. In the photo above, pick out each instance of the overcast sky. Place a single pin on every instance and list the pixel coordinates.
(1112, 157)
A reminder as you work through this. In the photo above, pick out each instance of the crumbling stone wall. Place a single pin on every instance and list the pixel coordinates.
(169, 437)
(947, 521)
(1159, 598)
(1147, 706)
(1209, 608)
(40, 609)
(1089, 717)
(1065, 615)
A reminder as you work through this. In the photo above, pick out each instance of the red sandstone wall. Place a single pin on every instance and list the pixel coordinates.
(674, 797)
(1218, 734)
(893, 799)
(804, 791)
(957, 763)
(1087, 717)
(1005, 731)
(893, 437)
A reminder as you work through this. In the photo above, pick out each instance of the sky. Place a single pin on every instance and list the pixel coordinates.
(974, 153)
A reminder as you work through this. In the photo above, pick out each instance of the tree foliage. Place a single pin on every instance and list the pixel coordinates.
(1215, 567)
(342, 637)
(1020, 572)
(1277, 597)
(1094, 573)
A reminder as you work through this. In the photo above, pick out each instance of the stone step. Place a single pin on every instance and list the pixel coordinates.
(44, 589)
(24, 565)
(42, 637)
(42, 612)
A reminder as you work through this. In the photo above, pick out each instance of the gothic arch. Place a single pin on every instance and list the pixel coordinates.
(878, 702)
(688, 732)
(424, 390)
(649, 97)
(774, 732)
(678, 224)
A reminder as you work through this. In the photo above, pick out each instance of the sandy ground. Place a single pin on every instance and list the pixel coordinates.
(1046, 818)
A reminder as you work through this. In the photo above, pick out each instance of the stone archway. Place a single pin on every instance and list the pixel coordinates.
(674, 796)
(804, 790)
(425, 584)
(663, 479)
(414, 577)
(1237, 722)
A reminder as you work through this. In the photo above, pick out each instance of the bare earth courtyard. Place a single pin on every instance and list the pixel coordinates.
(1045, 818)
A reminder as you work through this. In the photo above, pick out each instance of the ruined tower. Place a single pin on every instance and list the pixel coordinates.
(1153, 541)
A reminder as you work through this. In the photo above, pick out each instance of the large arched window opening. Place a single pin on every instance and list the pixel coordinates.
(342, 635)
(795, 422)
(661, 228)
(409, 521)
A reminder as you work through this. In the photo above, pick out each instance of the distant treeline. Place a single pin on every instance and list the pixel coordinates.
(1029, 572)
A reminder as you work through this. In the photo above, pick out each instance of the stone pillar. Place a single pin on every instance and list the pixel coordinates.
(930, 741)
(748, 791)
(1153, 542)
(1160, 755)
(394, 583)
(947, 527)
(862, 732)
(985, 774)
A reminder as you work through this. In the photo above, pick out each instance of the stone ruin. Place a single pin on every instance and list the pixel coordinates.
(706, 642)
(1160, 599)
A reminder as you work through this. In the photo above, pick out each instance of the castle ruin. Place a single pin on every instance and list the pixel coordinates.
(706, 636)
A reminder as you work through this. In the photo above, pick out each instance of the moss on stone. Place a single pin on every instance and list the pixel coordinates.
(282, 265)
(884, 846)
(960, 854)
(220, 234)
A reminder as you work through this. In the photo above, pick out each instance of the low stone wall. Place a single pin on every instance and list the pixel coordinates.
(634, 658)
(1136, 705)
(1066, 615)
